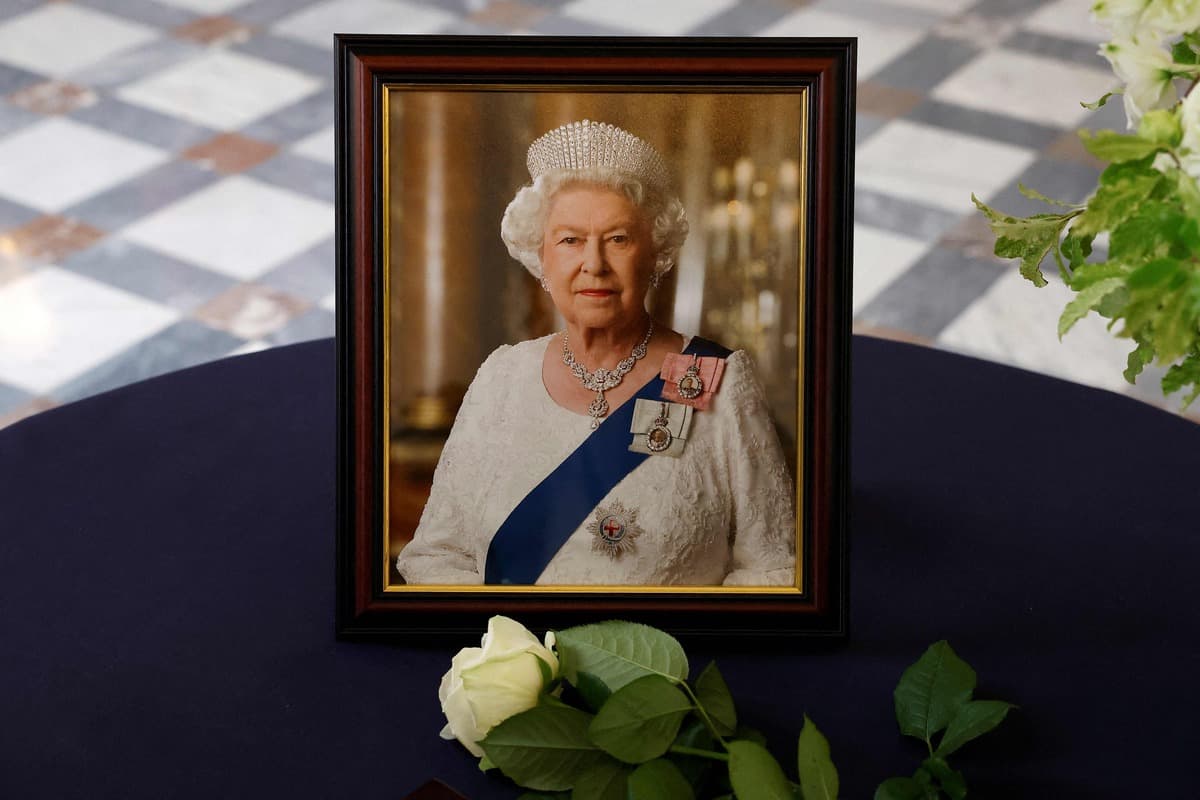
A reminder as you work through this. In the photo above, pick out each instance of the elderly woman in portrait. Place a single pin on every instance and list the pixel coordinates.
(617, 451)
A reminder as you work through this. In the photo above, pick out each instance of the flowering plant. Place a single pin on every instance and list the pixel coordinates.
(1147, 203)
(611, 714)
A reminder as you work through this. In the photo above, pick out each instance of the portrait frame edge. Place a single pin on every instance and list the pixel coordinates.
(365, 607)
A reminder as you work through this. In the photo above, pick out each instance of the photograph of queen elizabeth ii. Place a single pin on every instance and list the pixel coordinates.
(631, 439)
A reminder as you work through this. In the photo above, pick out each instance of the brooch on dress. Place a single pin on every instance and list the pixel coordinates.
(690, 379)
(613, 530)
(659, 428)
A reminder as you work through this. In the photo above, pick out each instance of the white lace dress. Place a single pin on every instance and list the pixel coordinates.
(721, 513)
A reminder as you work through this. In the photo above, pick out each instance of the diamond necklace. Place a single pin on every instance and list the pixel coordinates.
(602, 380)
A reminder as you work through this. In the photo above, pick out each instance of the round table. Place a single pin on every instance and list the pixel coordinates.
(166, 595)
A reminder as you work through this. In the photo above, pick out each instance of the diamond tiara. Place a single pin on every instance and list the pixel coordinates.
(579, 145)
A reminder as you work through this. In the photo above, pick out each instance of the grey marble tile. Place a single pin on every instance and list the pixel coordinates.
(13, 118)
(148, 273)
(879, 12)
(925, 65)
(746, 18)
(138, 62)
(13, 214)
(12, 8)
(13, 79)
(985, 124)
(315, 61)
(12, 398)
(462, 7)
(184, 344)
(1005, 8)
(296, 121)
(161, 130)
(465, 27)
(933, 291)
(316, 323)
(266, 12)
(1040, 44)
(143, 194)
(290, 171)
(1069, 181)
(559, 25)
(309, 275)
(866, 124)
(146, 12)
(905, 217)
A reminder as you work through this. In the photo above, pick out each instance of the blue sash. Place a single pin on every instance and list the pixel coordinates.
(543, 521)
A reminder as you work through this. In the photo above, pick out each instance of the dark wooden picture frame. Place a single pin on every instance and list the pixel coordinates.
(817, 75)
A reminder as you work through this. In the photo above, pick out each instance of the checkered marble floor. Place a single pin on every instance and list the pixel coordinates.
(166, 169)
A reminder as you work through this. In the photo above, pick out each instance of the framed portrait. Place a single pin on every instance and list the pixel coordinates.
(593, 322)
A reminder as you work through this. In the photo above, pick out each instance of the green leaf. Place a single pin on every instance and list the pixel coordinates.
(931, 690)
(1026, 238)
(546, 747)
(750, 735)
(755, 774)
(973, 720)
(618, 652)
(1089, 274)
(1138, 358)
(1085, 301)
(1162, 127)
(1185, 373)
(658, 780)
(1116, 198)
(1034, 194)
(544, 796)
(951, 781)
(1117, 147)
(1188, 192)
(1182, 53)
(900, 789)
(593, 690)
(606, 781)
(695, 734)
(1147, 233)
(1153, 274)
(1077, 249)
(818, 776)
(485, 763)
(713, 694)
(1103, 99)
(1178, 323)
(640, 720)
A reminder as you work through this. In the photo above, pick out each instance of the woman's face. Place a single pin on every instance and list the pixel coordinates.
(597, 257)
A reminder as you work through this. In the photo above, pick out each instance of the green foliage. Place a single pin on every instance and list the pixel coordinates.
(659, 780)
(934, 697)
(1026, 238)
(1103, 99)
(1118, 148)
(1183, 374)
(641, 719)
(714, 695)
(1161, 127)
(818, 775)
(617, 653)
(605, 781)
(546, 747)
(755, 774)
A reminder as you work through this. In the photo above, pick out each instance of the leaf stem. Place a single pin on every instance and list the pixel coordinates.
(695, 751)
(708, 723)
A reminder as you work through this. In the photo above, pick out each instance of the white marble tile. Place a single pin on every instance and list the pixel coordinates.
(1029, 87)
(55, 325)
(1016, 323)
(221, 89)
(59, 38)
(238, 226)
(662, 18)
(878, 43)
(329, 302)
(879, 258)
(206, 7)
(317, 24)
(943, 7)
(57, 162)
(1067, 19)
(319, 146)
(255, 346)
(936, 166)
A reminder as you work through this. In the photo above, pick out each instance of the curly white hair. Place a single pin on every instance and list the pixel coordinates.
(523, 224)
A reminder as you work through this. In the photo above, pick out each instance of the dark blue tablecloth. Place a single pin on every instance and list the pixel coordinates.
(166, 593)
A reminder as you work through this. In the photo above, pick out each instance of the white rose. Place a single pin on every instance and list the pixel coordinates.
(1119, 16)
(487, 685)
(1172, 17)
(1147, 71)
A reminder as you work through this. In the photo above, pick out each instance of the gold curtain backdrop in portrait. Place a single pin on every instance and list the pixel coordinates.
(454, 160)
